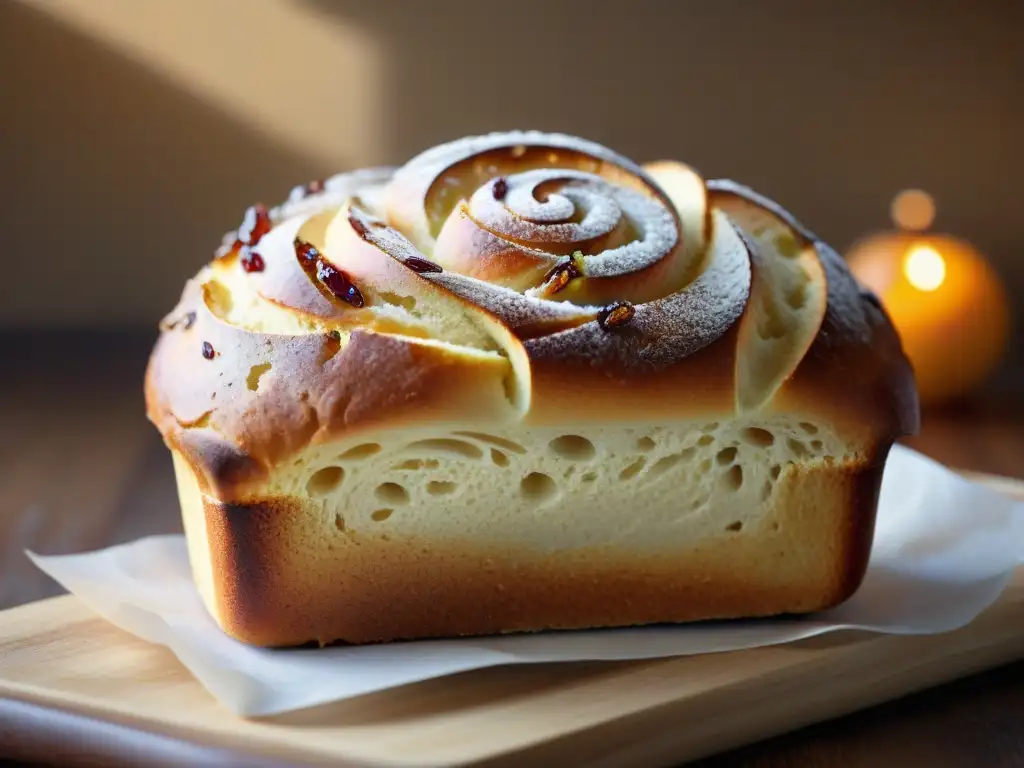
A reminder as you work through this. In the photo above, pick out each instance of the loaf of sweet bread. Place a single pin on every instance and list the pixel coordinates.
(522, 383)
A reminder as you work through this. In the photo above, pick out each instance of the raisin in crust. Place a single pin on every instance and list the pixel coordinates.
(522, 383)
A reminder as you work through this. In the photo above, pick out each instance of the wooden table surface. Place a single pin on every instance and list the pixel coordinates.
(80, 468)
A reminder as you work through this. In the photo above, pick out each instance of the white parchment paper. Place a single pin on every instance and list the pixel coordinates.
(944, 550)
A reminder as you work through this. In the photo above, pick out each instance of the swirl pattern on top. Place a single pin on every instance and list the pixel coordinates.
(543, 255)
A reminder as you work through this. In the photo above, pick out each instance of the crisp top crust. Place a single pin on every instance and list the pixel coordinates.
(514, 277)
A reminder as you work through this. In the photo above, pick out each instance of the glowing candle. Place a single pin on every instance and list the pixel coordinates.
(946, 302)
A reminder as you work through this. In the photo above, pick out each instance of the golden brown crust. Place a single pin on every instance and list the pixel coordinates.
(279, 581)
(315, 389)
(675, 359)
(476, 285)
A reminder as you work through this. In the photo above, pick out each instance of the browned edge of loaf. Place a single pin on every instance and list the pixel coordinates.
(274, 588)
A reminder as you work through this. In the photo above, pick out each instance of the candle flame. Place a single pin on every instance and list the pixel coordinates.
(925, 268)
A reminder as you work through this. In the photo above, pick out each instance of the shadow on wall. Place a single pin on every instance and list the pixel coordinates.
(120, 183)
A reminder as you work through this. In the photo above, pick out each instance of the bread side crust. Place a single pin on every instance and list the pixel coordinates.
(270, 576)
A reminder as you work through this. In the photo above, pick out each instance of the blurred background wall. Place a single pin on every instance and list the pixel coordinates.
(135, 133)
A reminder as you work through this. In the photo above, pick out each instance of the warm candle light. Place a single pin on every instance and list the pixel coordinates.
(945, 301)
(925, 268)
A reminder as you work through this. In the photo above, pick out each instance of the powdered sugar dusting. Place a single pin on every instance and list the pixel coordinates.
(428, 172)
(543, 206)
(666, 331)
(529, 221)
(388, 239)
(659, 236)
(565, 192)
(516, 311)
(525, 315)
(620, 228)
(424, 168)
(366, 184)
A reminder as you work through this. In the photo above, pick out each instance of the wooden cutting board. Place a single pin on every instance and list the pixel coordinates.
(55, 653)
